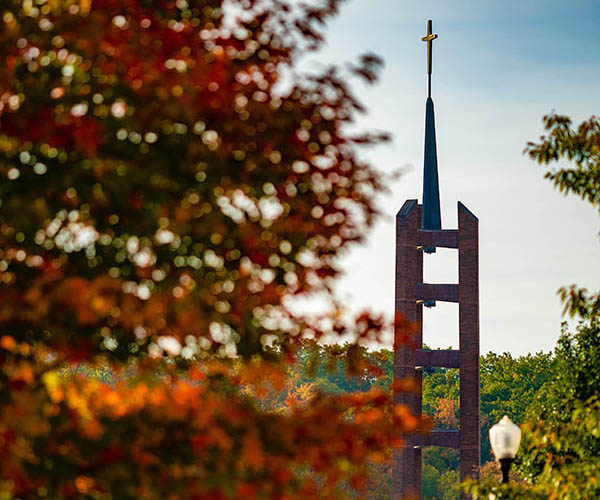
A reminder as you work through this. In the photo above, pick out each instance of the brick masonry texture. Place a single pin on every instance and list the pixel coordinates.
(406, 478)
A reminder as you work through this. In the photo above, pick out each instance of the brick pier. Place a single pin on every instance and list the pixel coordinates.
(409, 360)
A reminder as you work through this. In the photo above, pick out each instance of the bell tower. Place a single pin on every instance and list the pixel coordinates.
(418, 231)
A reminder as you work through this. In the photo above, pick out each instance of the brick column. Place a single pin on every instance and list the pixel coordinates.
(406, 478)
(468, 291)
(411, 292)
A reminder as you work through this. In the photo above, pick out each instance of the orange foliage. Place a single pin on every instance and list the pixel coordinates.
(445, 413)
(162, 201)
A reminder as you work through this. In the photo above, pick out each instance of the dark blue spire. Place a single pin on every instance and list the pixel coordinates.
(431, 218)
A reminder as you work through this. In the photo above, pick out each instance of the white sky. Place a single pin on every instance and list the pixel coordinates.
(498, 68)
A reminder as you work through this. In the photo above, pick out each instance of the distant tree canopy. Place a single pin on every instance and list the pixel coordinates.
(509, 385)
(560, 453)
(163, 196)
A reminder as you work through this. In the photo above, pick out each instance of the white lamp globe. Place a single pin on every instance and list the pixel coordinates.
(505, 438)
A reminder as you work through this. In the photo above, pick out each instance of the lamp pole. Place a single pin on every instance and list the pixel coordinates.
(505, 464)
(505, 438)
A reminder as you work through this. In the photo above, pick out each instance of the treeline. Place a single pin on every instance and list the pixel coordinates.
(508, 387)
(524, 387)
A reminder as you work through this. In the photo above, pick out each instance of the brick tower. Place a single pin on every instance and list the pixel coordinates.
(419, 230)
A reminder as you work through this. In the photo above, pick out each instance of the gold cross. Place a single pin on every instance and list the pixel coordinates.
(429, 38)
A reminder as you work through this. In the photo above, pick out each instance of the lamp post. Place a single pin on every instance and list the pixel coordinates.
(505, 438)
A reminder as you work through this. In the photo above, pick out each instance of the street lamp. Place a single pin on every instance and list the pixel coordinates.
(505, 438)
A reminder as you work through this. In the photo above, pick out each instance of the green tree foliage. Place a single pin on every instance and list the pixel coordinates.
(508, 386)
(580, 146)
(564, 409)
(560, 451)
(560, 454)
(504, 378)
(440, 384)
(439, 483)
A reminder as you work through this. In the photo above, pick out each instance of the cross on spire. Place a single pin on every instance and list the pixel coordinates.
(429, 38)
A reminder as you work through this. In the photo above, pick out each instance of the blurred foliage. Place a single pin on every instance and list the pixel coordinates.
(171, 182)
(560, 451)
(321, 370)
(153, 174)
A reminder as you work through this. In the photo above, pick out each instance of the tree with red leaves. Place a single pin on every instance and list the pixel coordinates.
(164, 198)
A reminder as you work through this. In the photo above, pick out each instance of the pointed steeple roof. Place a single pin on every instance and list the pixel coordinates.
(432, 218)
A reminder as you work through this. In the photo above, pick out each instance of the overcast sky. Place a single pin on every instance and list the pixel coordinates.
(498, 68)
